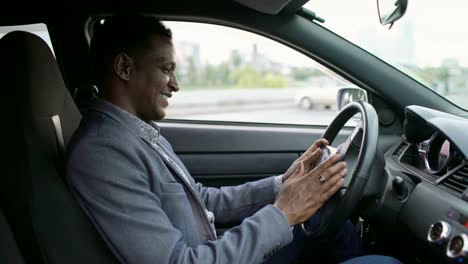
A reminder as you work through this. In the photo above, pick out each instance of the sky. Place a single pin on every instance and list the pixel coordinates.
(430, 32)
(216, 43)
(439, 28)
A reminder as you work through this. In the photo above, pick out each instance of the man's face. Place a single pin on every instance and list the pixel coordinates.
(153, 79)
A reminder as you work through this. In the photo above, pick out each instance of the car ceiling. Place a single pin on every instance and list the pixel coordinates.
(19, 12)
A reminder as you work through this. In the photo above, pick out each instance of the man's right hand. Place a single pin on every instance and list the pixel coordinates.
(303, 193)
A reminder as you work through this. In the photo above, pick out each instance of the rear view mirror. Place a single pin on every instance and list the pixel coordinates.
(391, 10)
(350, 94)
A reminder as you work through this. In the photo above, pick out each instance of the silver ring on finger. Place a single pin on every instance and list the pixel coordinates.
(322, 179)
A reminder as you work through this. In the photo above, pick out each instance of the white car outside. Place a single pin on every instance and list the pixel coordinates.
(317, 98)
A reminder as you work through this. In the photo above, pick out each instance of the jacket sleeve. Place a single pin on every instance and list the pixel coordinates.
(109, 181)
(233, 203)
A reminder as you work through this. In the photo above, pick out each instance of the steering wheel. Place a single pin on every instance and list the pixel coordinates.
(359, 151)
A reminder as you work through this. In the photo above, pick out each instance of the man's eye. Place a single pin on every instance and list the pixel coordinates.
(166, 70)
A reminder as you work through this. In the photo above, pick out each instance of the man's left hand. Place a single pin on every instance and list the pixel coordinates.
(307, 159)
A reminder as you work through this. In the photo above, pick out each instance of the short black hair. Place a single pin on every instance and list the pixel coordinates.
(127, 33)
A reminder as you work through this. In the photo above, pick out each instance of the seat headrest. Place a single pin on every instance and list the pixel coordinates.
(33, 72)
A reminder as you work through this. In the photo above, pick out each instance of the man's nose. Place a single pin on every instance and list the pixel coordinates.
(173, 83)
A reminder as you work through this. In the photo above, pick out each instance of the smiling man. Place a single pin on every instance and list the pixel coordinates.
(137, 192)
(144, 77)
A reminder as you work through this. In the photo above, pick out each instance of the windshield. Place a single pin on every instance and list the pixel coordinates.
(429, 43)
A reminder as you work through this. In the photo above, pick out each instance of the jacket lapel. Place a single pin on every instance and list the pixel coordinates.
(184, 180)
(167, 160)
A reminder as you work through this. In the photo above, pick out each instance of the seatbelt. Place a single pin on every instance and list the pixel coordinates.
(59, 133)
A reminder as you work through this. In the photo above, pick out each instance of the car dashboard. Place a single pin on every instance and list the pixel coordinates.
(428, 169)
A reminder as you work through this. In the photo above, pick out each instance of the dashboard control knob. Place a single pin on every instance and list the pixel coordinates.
(439, 232)
(399, 186)
(458, 246)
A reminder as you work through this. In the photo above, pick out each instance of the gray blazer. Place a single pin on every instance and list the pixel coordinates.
(147, 214)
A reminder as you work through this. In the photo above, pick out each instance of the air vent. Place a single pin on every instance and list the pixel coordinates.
(458, 181)
(400, 149)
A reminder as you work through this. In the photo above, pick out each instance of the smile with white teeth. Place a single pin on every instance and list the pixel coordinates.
(166, 96)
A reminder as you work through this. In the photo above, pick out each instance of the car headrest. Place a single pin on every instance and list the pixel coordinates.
(36, 88)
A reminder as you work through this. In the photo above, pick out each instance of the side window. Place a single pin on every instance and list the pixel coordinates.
(38, 29)
(227, 74)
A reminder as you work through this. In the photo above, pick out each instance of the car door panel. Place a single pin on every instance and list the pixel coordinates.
(234, 168)
(231, 154)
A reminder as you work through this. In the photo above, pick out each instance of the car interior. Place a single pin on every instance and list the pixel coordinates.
(408, 190)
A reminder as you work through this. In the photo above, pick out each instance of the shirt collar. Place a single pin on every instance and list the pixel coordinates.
(150, 130)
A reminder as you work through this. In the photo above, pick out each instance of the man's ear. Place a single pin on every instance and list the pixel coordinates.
(123, 66)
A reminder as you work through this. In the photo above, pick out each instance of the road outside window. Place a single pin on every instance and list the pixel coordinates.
(232, 75)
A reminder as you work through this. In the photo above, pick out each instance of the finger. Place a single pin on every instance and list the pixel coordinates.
(330, 192)
(321, 142)
(325, 165)
(334, 169)
(329, 182)
(312, 158)
(318, 170)
(316, 145)
(299, 170)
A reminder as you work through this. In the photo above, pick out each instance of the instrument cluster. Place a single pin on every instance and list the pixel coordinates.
(438, 154)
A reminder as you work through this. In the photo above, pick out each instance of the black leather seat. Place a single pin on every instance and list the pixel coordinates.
(39, 117)
(9, 252)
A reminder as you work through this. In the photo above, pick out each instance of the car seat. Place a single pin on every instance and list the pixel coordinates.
(9, 252)
(39, 117)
